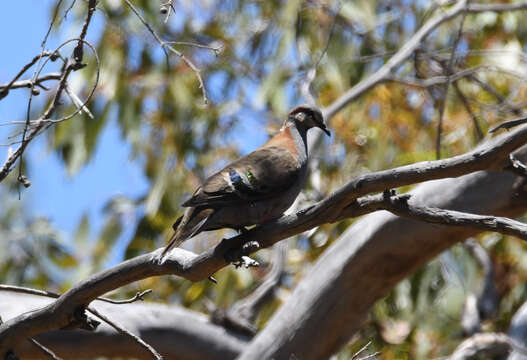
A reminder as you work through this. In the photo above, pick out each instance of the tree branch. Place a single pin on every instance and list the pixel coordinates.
(67, 69)
(30, 83)
(195, 267)
(45, 350)
(125, 332)
(6, 88)
(166, 45)
(371, 257)
(399, 205)
(448, 70)
(175, 332)
(410, 46)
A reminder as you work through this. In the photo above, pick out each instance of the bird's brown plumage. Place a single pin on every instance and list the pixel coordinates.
(274, 169)
(255, 188)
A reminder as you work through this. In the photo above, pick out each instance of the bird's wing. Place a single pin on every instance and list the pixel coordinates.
(259, 175)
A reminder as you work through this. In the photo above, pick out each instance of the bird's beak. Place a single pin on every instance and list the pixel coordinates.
(324, 129)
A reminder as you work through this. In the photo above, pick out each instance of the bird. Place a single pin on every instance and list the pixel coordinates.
(257, 187)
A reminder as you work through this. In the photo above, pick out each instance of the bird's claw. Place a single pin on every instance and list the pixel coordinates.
(239, 257)
(246, 262)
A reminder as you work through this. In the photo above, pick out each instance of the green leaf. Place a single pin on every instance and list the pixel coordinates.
(109, 235)
(82, 233)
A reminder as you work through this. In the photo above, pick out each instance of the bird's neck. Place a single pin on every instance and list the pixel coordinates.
(299, 135)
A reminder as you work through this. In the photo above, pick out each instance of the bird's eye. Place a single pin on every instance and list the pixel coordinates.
(300, 116)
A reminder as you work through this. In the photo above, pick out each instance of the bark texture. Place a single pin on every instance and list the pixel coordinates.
(175, 332)
(370, 258)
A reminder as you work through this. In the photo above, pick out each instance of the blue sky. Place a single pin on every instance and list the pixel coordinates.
(110, 172)
(61, 198)
(54, 194)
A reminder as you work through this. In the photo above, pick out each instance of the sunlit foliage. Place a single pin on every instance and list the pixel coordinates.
(254, 61)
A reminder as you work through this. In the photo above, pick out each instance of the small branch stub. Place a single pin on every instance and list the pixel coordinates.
(516, 166)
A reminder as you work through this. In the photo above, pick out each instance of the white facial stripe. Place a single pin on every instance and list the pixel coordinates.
(300, 116)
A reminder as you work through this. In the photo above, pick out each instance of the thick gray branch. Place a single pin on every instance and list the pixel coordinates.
(370, 258)
(175, 332)
(197, 267)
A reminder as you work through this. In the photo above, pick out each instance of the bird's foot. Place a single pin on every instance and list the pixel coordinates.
(159, 258)
(239, 257)
(246, 262)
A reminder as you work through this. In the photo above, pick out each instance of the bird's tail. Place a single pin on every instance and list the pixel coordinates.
(175, 241)
(186, 227)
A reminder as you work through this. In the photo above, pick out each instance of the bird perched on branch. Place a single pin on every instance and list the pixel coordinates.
(255, 188)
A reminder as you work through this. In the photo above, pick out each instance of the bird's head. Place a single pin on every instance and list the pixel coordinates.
(308, 117)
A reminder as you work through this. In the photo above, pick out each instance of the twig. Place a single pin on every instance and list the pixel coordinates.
(78, 51)
(400, 206)
(166, 7)
(75, 100)
(52, 22)
(473, 117)
(361, 350)
(123, 331)
(43, 53)
(410, 46)
(490, 89)
(45, 350)
(69, 9)
(80, 107)
(35, 76)
(516, 166)
(368, 58)
(65, 72)
(29, 83)
(164, 45)
(216, 50)
(14, 123)
(509, 124)
(139, 296)
(448, 72)
(395, 61)
(6, 88)
(478, 8)
(438, 80)
(306, 86)
(45, 119)
(24, 290)
(371, 356)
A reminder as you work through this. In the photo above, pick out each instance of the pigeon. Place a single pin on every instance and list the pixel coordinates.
(256, 188)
